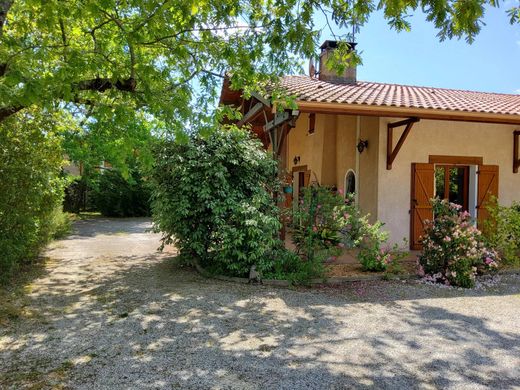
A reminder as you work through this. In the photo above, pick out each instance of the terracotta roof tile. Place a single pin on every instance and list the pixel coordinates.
(381, 94)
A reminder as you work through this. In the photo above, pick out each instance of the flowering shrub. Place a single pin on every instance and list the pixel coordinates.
(354, 223)
(326, 223)
(453, 248)
(318, 221)
(357, 232)
(374, 254)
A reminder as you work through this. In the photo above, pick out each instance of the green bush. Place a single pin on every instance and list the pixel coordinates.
(503, 231)
(374, 254)
(213, 198)
(114, 196)
(287, 265)
(453, 248)
(318, 220)
(76, 196)
(32, 187)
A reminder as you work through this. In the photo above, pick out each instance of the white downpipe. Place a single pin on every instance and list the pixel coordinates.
(357, 173)
(473, 189)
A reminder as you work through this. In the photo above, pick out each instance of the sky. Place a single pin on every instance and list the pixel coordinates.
(490, 64)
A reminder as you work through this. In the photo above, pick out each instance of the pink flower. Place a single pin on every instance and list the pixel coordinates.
(319, 206)
(314, 229)
(447, 239)
(488, 260)
(341, 245)
(340, 191)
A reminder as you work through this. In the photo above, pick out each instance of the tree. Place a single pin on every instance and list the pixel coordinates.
(166, 57)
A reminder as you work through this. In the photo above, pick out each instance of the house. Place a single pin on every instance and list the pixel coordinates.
(394, 146)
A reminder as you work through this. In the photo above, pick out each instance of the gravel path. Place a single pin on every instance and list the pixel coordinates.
(111, 312)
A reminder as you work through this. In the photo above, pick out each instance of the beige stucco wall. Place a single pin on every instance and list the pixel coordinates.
(345, 148)
(329, 152)
(494, 143)
(368, 167)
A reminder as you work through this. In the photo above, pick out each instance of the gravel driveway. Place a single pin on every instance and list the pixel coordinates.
(111, 312)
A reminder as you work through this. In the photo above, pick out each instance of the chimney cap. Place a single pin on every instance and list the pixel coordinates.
(334, 44)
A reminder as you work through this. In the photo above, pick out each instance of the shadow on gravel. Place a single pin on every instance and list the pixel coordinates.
(162, 326)
(133, 321)
(90, 228)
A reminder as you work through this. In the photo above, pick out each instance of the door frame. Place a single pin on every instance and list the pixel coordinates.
(474, 162)
(471, 161)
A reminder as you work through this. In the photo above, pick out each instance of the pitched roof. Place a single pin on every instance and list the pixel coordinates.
(405, 96)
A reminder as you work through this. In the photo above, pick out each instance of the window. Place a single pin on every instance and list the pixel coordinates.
(350, 182)
(452, 183)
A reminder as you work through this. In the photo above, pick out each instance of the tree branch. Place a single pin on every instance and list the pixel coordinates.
(150, 16)
(8, 111)
(131, 50)
(166, 37)
(98, 85)
(5, 6)
(104, 84)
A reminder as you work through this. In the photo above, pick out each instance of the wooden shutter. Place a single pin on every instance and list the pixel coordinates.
(422, 191)
(487, 188)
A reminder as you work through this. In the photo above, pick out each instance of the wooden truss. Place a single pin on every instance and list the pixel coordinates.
(516, 151)
(279, 127)
(391, 152)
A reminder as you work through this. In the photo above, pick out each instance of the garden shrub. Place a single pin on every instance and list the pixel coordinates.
(318, 220)
(374, 254)
(32, 187)
(213, 198)
(77, 195)
(325, 222)
(453, 248)
(288, 265)
(502, 231)
(115, 196)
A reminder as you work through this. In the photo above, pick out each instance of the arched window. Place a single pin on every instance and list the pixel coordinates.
(350, 182)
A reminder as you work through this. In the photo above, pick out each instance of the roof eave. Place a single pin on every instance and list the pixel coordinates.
(403, 112)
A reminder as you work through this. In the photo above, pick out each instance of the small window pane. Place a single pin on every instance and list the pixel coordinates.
(457, 186)
(350, 183)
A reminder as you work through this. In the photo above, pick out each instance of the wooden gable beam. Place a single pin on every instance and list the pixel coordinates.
(279, 127)
(391, 152)
(516, 151)
(252, 114)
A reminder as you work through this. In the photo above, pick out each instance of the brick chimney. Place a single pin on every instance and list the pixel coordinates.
(348, 76)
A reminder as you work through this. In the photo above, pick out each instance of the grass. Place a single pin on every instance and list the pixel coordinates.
(13, 299)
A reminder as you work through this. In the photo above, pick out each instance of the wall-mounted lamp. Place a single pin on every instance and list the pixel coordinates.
(362, 145)
(296, 160)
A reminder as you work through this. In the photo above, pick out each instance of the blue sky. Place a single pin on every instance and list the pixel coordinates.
(491, 63)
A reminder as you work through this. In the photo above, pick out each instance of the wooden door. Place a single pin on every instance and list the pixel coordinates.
(307, 178)
(487, 188)
(422, 191)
